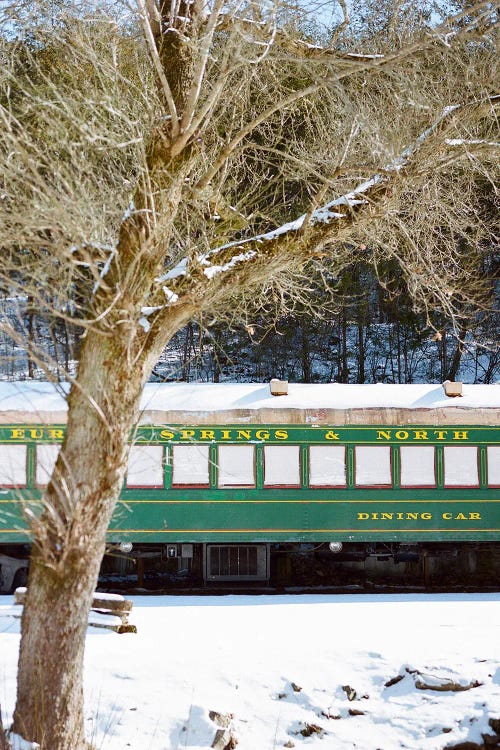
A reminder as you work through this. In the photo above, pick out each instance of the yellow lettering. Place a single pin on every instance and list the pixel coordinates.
(363, 516)
(462, 517)
(243, 435)
(167, 434)
(383, 434)
(412, 516)
(386, 516)
(187, 434)
(280, 435)
(207, 435)
(17, 434)
(225, 435)
(402, 435)
(56, 434)
(421, 435)
(460, 435)
(440, 434)
(331, 435)
(35, 433)
(262, 434)
(426, 516)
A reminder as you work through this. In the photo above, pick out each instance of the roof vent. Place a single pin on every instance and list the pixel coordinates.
(452, 389)
(278, 387)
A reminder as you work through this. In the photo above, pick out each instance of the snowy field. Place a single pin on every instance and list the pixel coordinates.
(332, 672)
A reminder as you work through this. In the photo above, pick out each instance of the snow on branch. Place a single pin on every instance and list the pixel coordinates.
(339, 210)
(359, 196)
(475, 142)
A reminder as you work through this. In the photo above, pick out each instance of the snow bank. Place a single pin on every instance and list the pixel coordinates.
(275, 667)
(40, 397)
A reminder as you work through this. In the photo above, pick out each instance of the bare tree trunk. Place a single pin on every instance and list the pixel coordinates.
(305, 354)
(361, 345)
(69, 541)
(65, 562)
(343, 376)
(187, 353)
(31, 365)
(444, 356)
(398, 349)
(457, 356)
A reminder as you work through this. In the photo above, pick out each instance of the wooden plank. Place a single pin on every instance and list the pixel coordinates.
(111, 603)
(109, 611)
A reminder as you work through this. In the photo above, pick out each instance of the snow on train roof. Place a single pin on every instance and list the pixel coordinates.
(215, 397)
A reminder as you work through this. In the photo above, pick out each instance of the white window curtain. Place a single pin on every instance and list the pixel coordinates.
(46, 457)
(417, 466)
(145, 466)
(13, 465)
(282, 465)
(461, 466)
(327, 466)
(236, 465)
(373, 465)
(494, 465)
(190, 464)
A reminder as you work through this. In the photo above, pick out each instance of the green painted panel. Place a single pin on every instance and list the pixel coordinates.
(302, 514)
(309, 520)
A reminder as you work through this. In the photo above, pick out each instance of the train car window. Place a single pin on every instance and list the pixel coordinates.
(46, 457)
(145, 466)
(373, 465)
(417, 466)
(190, 465)
(327, 466)
(13, 465)
(236, 466)
(494, 465)
(282, 465)
(461, 467)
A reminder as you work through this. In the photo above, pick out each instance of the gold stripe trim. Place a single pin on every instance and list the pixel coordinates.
(299, 531)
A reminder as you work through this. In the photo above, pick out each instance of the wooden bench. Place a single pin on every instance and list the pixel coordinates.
(110, 611)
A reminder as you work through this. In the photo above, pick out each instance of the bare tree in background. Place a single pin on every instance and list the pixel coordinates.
(188, 170)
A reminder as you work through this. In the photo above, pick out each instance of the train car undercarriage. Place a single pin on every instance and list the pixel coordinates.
(304, 565)
(177, 567)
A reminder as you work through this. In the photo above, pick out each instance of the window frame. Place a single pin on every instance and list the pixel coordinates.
(37, 447)
(478, 466)
(147, 486)
(253, 485)
(296, 485)
(17, 486)
(418, 486)
(340, 486)
(191, 486)
(390, 484)
(488, 483)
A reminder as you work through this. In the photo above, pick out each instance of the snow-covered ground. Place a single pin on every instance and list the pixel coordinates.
(289, 671)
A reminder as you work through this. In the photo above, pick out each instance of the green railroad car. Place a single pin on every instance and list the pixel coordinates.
(228, 473)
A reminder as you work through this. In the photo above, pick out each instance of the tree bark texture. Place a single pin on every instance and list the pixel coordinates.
(69, 542)
(115, 361)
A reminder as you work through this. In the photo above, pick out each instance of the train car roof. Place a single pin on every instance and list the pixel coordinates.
(207, 403)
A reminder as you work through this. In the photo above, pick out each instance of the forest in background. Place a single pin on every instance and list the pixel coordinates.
(358, 330)
(357, 321)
